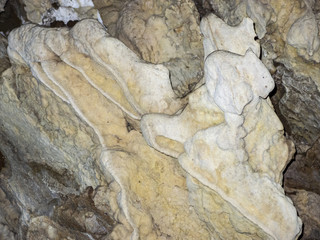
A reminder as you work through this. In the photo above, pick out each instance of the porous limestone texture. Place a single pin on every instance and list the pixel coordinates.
(109, 11)
(73, 106)
(220, 36)
(166, 32)
(289, 36)
(79, 75)
(230, 159)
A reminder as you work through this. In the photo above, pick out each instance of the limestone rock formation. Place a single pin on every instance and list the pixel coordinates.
(247, 148)
(109, 11)
(165, 32)
(220, 36)
(289, 38)
(47, 11)
(107, 94)
(289, 33)
(79, 108)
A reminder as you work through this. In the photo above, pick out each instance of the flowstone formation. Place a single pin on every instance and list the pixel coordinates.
(288, 32)
(79, 110)
(235, 157)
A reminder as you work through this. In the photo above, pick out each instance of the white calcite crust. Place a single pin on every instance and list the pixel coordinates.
(241, 157)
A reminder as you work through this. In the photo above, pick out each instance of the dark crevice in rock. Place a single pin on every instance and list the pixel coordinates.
(304, 172)
(2, 161)
(203, 7)
(11, 17)
(277, 93)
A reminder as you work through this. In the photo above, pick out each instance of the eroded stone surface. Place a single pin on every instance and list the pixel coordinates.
(109, 11)
(247, 146)
(220, 36)
(165, 32)
(289, 35)
(78, 124)
(5, 63)
(81, 78)
(304, 172)
(307, 204)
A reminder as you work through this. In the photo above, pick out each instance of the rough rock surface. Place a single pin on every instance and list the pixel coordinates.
(95, 85)
(304, 172)
(307, 204)
(289, 35)
(2, 4)
(165, 32)
(247, 148)
(47, 12)
(110, 12)
(289, 38)
(5, 63)
(70, 119)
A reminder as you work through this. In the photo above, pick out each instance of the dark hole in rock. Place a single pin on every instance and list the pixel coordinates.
(9, 19)
(203, 7)
(55, 5)
(57, 24)
(275, 96)
(71, 23)
(2, 161)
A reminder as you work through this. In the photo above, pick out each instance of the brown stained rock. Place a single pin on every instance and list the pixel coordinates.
(43, 228)
(76, 217)
(79, 213)
(165, 32)
(308, 207)
(304, 172)
(297, 102)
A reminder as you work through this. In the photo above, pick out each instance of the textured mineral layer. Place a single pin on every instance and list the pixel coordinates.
(73, 105)
(289, 38)
(247, 148)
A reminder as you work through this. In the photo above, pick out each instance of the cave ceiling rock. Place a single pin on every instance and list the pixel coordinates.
(166, 32)
(245, 146)
(106, 84)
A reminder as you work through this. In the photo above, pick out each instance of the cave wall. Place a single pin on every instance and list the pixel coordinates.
(110, 127)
